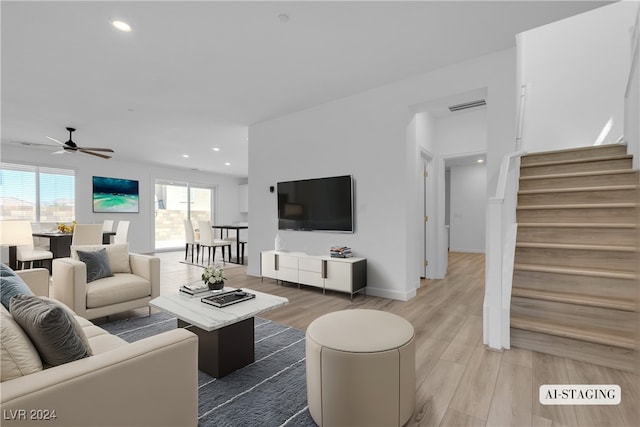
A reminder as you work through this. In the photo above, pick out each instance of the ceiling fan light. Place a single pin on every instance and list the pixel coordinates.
(121, 25)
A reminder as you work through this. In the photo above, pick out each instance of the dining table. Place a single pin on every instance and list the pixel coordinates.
(60, 243)
(237, 229)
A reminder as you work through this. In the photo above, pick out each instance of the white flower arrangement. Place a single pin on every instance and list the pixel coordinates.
(213, 274)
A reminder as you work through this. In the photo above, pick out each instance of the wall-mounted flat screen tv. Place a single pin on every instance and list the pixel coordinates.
(320, 204)
(115, 195)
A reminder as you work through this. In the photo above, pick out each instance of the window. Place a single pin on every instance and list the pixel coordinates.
(35, 193)
(176, 201)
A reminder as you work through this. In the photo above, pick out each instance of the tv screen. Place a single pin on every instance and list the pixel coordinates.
(115, 195)
(316, 204)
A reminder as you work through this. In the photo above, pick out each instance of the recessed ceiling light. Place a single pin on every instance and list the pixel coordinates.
(186, 156)
(215, 149)
(121, 25)
(283, 17)
(480, 160)
(227, 164)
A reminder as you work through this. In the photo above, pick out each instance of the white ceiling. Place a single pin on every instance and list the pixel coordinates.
(194, 75)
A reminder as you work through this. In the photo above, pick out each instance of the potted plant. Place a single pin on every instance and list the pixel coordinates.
(213, 276)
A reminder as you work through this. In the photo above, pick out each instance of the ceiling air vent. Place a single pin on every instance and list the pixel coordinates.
(464, 106)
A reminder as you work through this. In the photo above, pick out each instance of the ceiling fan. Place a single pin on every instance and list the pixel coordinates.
(70, 147)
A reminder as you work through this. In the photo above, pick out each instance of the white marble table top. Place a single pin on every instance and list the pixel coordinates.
(207, 317)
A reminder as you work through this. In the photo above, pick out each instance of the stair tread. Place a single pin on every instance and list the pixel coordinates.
(576, 149)
(580, 174)
(580, 189)
(577, 225)
(620, 248)
(580, 206)
(576, 161)
(605, 336)
(615, 274)
(579, 299)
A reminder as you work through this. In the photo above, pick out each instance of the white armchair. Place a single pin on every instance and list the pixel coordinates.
(109, 295)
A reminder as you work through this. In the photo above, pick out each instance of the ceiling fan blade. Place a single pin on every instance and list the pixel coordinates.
(104, 156)
(30, 144)
(96, 149)
(55, 140)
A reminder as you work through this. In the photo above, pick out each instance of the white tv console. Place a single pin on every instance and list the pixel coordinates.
(337, 274)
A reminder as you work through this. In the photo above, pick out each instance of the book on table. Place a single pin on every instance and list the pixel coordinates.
(195, 289)
(340, 252)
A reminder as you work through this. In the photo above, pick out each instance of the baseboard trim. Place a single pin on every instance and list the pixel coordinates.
(473, 251)
(390, 294)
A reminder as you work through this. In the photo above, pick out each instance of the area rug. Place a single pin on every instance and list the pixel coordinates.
(269, 392)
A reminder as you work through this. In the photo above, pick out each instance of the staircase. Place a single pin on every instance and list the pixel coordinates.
(575, 282)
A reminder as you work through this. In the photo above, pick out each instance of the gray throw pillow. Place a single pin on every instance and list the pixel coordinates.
(97, 264)
(11, 284)
(50, 328)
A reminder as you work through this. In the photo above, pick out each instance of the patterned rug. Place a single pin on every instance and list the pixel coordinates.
(269, 392)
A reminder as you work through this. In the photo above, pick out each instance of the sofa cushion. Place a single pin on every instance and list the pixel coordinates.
(51, 329)
(97, 264)
(11, 284)
(106, 342)
(121, 287)
(118, 255)
(18, 356)
(79, 323)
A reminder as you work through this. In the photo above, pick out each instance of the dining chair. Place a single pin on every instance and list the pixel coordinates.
(29, 253)
(107, 225)
(122, 232)
(240, 239)
(40, 243)
(87, 234)
(208, 241)
(190, 241)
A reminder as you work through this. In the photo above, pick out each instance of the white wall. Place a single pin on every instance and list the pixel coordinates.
(425, 125)
(461, 133)
(468, 208)
(141, 229)
(369, 136)
(576, 73)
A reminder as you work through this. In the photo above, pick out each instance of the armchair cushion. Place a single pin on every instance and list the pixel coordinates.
(51, 329)
(11, 285)
(119, 288)
(97, 264)
(118, 255)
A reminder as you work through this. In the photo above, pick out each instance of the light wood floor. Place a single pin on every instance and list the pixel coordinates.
(459, 382)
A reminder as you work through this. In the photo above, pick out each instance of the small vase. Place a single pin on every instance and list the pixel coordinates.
(216, 286)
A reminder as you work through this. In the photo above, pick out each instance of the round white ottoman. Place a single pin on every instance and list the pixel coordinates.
(360, 369)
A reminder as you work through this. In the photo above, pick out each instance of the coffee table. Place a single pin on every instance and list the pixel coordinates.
(226, 334)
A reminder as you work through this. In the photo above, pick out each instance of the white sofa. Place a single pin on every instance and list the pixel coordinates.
(110, 295)
(151, 382)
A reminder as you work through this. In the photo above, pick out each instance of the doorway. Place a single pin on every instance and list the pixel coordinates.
(175, 202)
(428, 214)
